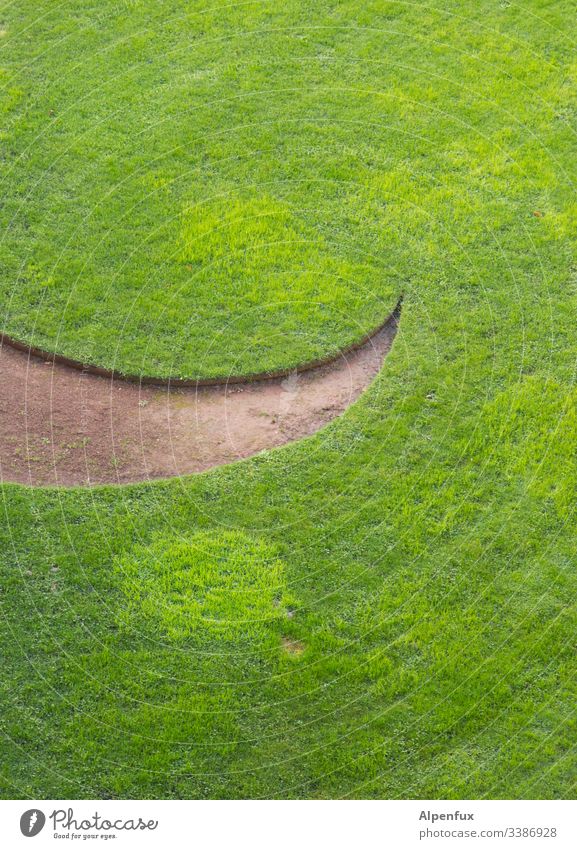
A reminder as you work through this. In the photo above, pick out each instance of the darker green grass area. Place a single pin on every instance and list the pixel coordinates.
(386, 609)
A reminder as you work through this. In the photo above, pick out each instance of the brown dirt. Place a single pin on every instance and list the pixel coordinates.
(293, 646)
(59, 426)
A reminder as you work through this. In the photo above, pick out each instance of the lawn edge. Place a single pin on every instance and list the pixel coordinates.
(149, 380)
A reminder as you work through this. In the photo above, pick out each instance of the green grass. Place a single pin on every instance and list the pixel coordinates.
(184, 194)
(420, 551)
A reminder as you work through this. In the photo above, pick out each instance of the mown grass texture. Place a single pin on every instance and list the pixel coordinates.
(420, 551)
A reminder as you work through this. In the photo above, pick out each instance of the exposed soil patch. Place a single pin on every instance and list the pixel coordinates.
(60, 426)
(291, 646)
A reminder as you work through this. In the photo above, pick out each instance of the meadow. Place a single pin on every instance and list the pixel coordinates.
(385, 609)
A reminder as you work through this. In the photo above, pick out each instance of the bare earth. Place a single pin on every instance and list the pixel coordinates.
(60, 427)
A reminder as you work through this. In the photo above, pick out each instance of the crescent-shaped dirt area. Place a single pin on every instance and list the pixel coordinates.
(62, 426)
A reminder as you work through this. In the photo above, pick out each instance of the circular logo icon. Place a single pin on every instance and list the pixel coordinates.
(32, 822)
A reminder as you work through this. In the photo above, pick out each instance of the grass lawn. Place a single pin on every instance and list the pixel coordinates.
(386, 609)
